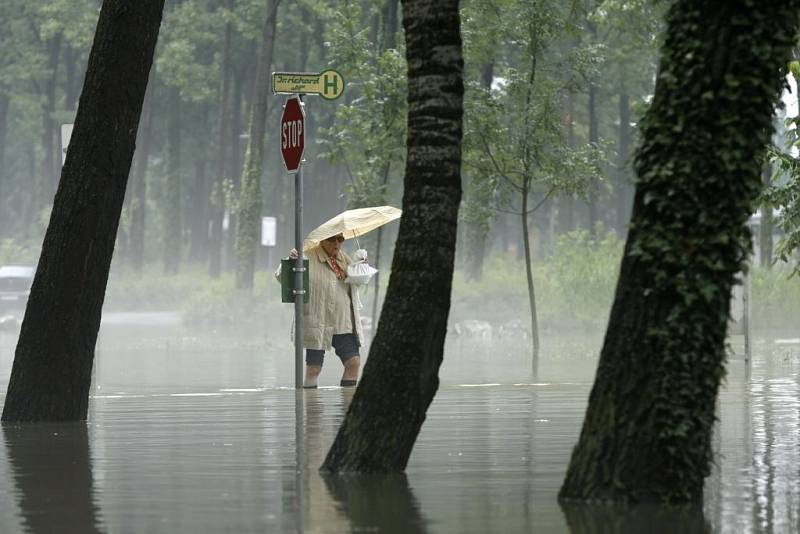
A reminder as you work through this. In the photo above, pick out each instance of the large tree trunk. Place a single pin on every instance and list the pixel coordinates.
(217, 197)
(401, 375)
(250, 201)
(53, 364)
(172, 188)
(647, 431)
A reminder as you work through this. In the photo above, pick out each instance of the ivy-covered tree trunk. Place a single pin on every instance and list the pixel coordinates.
(401, 375)
(52, 368)
(250, 200)
(647, 431)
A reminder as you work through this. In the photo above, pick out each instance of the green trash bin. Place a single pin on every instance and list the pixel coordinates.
(287, 280)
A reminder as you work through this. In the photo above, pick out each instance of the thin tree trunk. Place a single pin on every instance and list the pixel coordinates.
(647, 431)
(477, 231)
(199, 215)
(50, 146)
(401, 375)
(250, 200)
(52, 369)
(767, 223)
(172, 197)
(139, 200)
(624, 187)
(594, 142)
(217, 196)
(390, 24)
(4, 104)
(529, 277)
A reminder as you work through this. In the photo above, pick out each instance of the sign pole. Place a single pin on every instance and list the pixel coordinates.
(298, 276)
(298, 279)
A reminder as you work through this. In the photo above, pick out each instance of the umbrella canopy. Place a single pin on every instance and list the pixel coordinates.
(352, 223)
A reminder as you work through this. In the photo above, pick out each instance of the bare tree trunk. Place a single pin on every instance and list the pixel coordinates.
(767, 223)
(529, 276)
(624, 187)
(401, 375)
(172, 205)
(217, 196)
(50, 145)
(250, 200)
(4, 104)
(139, 200)
(52, 368)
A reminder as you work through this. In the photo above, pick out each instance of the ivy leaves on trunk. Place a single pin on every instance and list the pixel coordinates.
(647, 431)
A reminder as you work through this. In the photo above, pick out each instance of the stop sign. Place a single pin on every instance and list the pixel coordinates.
(293, 133)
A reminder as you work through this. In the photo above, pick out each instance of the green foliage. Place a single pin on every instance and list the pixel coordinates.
(368, 133)
(775, 304)
(16, 253)
(785, 193)
(575, 286)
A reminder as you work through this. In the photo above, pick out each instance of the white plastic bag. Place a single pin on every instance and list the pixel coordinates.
(360, 272)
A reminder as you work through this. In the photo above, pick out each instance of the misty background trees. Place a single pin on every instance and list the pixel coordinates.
(553, 95)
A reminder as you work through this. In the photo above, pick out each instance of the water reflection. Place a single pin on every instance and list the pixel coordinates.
(377, 503)
(228, 452)
(51, 469)
(653, 519)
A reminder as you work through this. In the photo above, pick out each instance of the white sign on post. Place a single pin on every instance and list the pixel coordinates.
(66, 134)
(268, 231)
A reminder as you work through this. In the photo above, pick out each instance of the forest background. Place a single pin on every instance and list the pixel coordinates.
(553, 95)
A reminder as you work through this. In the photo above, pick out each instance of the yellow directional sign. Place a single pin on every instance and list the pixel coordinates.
(328, 84)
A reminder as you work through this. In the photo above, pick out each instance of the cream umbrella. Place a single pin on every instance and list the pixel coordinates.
(351, 223)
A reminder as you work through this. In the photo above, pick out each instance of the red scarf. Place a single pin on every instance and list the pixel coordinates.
(336, 269)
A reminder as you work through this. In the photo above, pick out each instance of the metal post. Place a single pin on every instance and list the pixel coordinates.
(298, 278)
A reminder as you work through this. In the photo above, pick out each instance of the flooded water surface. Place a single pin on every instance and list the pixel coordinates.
(187, 434)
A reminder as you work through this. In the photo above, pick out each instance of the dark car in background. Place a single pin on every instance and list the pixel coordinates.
(15, 286)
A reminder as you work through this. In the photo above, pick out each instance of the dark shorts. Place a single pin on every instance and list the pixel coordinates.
(345, 345)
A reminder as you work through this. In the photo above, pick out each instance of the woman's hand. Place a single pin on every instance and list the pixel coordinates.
(293, 254)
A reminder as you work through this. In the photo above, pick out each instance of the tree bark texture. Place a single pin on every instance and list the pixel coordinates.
(401, 375)
(647, 431)
(250, 201)
(51, 374)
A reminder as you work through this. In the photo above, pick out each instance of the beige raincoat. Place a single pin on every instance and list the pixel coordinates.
(330, 307)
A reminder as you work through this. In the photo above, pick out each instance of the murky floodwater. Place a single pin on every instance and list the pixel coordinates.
(189, 435)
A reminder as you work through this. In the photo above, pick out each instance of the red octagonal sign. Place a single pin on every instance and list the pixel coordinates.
(293, 133)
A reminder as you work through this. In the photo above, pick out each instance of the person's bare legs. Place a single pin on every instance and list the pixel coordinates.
(312, 373)
(351, 368)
